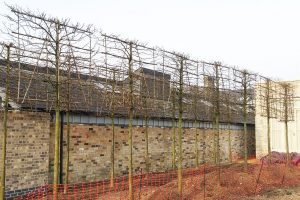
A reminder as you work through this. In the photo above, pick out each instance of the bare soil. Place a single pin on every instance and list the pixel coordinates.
(292, 193)
(276, 181)
(229, 182)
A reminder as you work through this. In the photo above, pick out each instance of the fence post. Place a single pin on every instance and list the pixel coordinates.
(204, 181)
(140, 184)
(261, 166)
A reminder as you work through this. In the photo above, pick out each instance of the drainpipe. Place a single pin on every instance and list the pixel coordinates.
(61, 147)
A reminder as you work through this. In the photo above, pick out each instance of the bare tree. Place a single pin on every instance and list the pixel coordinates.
(7, 48)
(245, 85)
(245, 82)
(173, 94)
(286, 111)
(267, 95)
(180, 125)
(59, 36)
(216, 116)
(109, 78)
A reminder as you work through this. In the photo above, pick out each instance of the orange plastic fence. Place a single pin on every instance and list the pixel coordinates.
(203, 182)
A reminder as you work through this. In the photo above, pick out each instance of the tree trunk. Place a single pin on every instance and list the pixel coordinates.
(5, 119)
(196, 145)
(173, 133)
(229, 121)
(180, 130)
(68, 151)
(112, 157)
(130, 167)
(268, 120)
(147, 145)
(287, 142)
(217, 126)
(245, 118)
(286, 123)
(68, 130)
(57, 115)
(229, 142)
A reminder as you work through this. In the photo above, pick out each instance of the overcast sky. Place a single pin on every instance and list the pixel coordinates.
(259, 35)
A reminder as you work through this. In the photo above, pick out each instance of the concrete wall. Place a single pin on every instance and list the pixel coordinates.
(27, 155)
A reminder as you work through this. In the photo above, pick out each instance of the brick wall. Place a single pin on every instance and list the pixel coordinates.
(27, 160)
(90, 149)
(30, 145)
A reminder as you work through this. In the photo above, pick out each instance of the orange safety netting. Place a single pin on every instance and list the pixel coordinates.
(233, 181)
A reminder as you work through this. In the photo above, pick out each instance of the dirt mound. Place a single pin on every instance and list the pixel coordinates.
(235, 182)
(281, 158)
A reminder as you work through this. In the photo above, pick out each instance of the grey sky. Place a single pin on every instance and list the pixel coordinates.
(259, 35)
